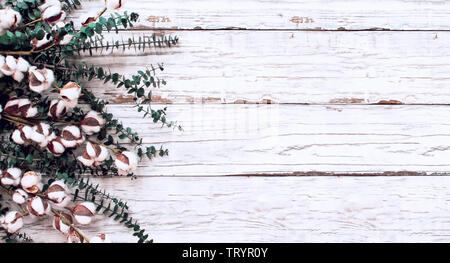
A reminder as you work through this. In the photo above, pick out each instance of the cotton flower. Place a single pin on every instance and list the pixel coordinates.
(70, 93)
(126, 162)
(93, 154)
(20, 108)
(40, 79)
(15, 67)
(113, 4)
(22, 135)
(58, 193)
(56, 147)
(67, 37)
(8, 18)
(58, 108)
(38, 207)
(59, 225)
(71, 136)
(11, 177)
(12, 222)
(101, 238)
(84, 213)
(42, 134)
(92, 123)
(19, 196)
(52, 11)
(31, 182)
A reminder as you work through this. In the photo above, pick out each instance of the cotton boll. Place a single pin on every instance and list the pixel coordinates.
(21, 108)
(92, 123)
(52, 12)
(59, 225)
(9, 18)
(9, 67)
(70, 93)
(12, 222)
(14, 67)
(71, 136)
(101, 238)
(31, 182)
(43, 134)
(58, 193)
(56, 147)
(84, 213)
(38, 207)
(126, 162)
(58, 108)
(19, 196)
(11, 177)
(40, 79)
(22, 67)
(93, 154)
(22, 135)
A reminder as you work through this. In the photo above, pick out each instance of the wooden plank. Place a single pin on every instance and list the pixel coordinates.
(274, 209)
(296, 139)
(292, 67)
(286, 14)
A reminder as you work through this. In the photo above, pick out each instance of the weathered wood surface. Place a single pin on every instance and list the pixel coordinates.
(274, 209)
(292, 67)
(295, 139)
(289, 53)
(286, 14)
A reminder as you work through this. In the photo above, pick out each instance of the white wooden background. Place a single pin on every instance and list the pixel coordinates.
(306, 121)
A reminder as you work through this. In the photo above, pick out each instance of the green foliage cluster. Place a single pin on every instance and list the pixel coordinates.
(87, 40)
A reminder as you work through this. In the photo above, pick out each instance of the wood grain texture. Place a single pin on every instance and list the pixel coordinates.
(274, 209)
(286, 14)
(290, 53)
(296, 139)
(291, 67)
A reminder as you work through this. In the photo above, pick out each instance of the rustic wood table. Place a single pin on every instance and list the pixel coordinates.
(304, 121)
